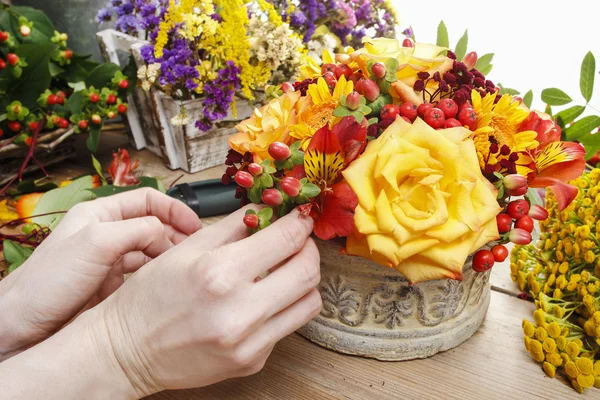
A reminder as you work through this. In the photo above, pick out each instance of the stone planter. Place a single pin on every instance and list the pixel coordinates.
(373, 311)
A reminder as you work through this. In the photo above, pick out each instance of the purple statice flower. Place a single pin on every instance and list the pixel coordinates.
(134, 15)
(219, 95)
(127, 24)
(104, 15)
(297, 18)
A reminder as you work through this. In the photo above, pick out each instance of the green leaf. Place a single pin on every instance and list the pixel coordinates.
(264, 181)
(378, 104)
(442, 35)
(505, 90)
(41, 23)
(373, 121)
(528, 99)
(486, 70)
(341, 111)
(534, 197)
(581, 128)
(15, 254)
(588, 73)
(250, 212)
(55, 70)
(310, 190)
(98, 168)
(94, 138)
(266, 213)
(254, 194)
(35, 186)
(484, 61)
(101, 75)
(145, 182)
(75, 103)
(569, 115)
(591, 144)
(391, 66)
(384, 85)
(36, 77)
(461, 46)
(297, 158)
(555, 97)
(62, 199)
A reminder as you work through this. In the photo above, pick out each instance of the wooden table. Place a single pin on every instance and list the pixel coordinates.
(493, 364)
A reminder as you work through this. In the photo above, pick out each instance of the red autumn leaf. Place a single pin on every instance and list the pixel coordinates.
(121, 169)
(352, 137)
(335, 216)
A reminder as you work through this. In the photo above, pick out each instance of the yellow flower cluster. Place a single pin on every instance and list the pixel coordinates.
(562, 273)
(273, 15)
(173, 17)
(199, 22)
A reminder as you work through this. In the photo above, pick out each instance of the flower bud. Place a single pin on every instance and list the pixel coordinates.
(255, 169)
(279, 151)
(244, 179)
(291, 186)
(251, 221)
(378, 70)
(25, 30)
(470, 60)
(272, 197)
(538, 213)
(407, 43)
(519, 236)
(287, 87)
(517, 192)
(369, 89)
(353, 101)
(515, 182)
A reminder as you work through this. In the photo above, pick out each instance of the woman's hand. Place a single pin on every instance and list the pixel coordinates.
(197, 314)
(83, 261)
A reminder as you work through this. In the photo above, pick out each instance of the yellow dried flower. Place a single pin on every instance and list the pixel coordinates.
(549, 369)
(554, 359)
(585, 365)
(571, 369)
(528, 328)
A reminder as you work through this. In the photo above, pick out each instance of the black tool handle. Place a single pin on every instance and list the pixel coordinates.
(207, 198)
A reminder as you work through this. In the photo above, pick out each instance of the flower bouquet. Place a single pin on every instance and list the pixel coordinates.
(409, 159)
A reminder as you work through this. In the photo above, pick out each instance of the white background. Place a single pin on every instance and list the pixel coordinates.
(537, 44)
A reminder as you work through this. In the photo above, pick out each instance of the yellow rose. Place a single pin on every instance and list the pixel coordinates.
(269, 124)
(424, 205)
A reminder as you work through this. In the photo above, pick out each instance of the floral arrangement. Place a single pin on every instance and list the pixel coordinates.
(408, 153)
(45, 86)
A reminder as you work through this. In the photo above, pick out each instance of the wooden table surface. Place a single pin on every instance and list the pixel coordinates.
(493, 364)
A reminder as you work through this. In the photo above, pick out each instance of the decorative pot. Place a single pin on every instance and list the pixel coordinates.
(373, 311)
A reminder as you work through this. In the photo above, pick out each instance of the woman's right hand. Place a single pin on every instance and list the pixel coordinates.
(197, 314)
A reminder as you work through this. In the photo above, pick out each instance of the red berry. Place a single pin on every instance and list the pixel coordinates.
(435, 118)
(111, 99)
(500, 253)
(525, 223)
(407, 43)
(344, 70)
(468, 117)
(409, 110)
(291, 186)
(12, 59)
(94, 97)
(518, 208)
(449, 107)
(287, 87)
(1, 133)
(464, 105)
(355, 78)
(330, 78)
(244, 179)
(60, 100)
(514, 181)
(124, 84)
(96, 119)
(111, 115)
(390, 112)
(14, 126)
(407, 120)
(519, 236)
(353, 101)
(33, 125)
(272, 197)
(504, 222)
(122, 108)
(2, 64)
(517, 192)
(470, 60)
(251, 221)
(28, 141)
(369, 89)
(538, 213)
(255, 169)
(63, 124)
(67, 54)
(24, 30)
(483, 261)
(56, 120)
(52, 99)
(423, 108)
(279, 151)
(3, 36)
(452, 123)
(61, 94)
(83, 124)
(328, 68)
(378, 70)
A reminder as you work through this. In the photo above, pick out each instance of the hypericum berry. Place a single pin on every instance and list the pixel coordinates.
(525, 223)
(452, 123)
(63, 124)
(409, 110)
(406, 119)
(52, 99)
(518, 208)
(330, 77)
(538, 213)
(17, 109)
(519, 236)
(255, 169)
(504, 222)
(12, 59)
(291, 186)
(423, 108)
(251, 221)
(94, 97)
(407, 43)
(353, 101)
(468, 117)
(328, 68)
(60, 100)
(287, 87)
(83, 124)
(28, 141)
(67, 54)
(124, 84)
(500, 253)
(279, 151)
(96, 119)
(517, 192)
(369, 89)
(2, 64)
(390, 112)
(514, 181)
(14, 126)
(355, 78)
(111, 99)
(272, 197)
(244, 179)
(61, 94)
(470, 60)
(111, 115)
(344, 70)
(122, 108)
(33, 125)
(63, 37)
(483, 261)
(24, 30)
(378, 70)
(56, 120)
(435, 118)
(4, 36)
(449, 108)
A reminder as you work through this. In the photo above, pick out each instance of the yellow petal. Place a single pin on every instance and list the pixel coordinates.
(418, 269)
(5, 213)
